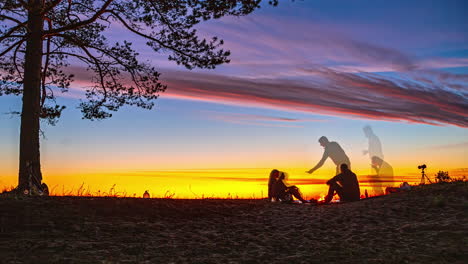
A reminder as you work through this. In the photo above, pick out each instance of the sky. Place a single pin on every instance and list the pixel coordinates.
(298, 71)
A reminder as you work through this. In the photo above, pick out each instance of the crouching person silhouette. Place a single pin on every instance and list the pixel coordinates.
(345, 185)
(278, 190)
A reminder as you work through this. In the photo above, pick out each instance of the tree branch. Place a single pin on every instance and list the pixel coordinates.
(132, 72)
(53, 32)
(13, 19)
(14, 59)
(163, 18)
(50, 5)
(11, 47)
(96, 61)
(12, 30)
(24, 4)
(125, 24)
(82, 58)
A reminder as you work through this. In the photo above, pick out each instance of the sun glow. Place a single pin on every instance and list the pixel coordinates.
(196, 183)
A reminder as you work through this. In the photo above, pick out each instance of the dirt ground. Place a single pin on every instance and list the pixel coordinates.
(426, 225)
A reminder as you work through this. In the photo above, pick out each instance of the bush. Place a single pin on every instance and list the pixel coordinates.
(442, 176)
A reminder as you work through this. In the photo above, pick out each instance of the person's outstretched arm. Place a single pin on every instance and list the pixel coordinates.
(320, 163)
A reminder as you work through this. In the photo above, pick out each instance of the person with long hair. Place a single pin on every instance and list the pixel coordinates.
(278, 190)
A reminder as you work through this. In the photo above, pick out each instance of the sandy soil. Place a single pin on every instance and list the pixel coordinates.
(426, 225)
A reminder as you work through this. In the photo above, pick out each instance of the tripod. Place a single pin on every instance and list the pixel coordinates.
(424, 176)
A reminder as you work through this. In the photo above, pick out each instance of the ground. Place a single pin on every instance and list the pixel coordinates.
(426, 225)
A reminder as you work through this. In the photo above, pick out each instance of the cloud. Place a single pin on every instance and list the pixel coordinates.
(257, 120)
(424, 97)
(435, 63)
(265, 46)
(369, 96)
(459, 145)
(272, 68)
(264, 42)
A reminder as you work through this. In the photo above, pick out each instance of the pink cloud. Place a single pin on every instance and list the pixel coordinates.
(267, 57)
(430, 99)
(368, 96)
(427, 97)
(257, 120)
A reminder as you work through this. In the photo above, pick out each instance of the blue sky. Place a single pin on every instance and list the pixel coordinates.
(298, 71)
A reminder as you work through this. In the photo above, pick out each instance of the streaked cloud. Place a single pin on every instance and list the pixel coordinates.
(426, 97)
(317, 67)
(329, 92)
(257, 120)
(459, 145)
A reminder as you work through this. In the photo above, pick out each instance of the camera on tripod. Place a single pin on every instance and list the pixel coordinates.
(423, 174)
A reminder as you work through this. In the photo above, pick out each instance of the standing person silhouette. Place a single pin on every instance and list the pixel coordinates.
(334, 152)
(375, 147)
(374, 150)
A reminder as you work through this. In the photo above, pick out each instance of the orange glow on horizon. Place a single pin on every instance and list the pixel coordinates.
(197, 183)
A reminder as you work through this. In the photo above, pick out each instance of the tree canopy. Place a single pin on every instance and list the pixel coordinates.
(75, 31)
(40, 38)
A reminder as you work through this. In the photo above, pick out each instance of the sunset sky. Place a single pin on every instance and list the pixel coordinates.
(298, 71)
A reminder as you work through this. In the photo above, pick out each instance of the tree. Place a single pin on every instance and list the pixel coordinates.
(40, 38)
(442, 176)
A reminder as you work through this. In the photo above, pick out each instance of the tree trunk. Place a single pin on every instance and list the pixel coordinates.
(29, 155)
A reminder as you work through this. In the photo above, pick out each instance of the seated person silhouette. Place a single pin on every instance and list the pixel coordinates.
(278, 190)
(384, 176)
(345, 185)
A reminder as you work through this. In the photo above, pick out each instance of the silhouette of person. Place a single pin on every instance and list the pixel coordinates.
(375, 147)
(274, 174)
(280, 191)
(384, 176)
(345, 185)
(332, 151)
